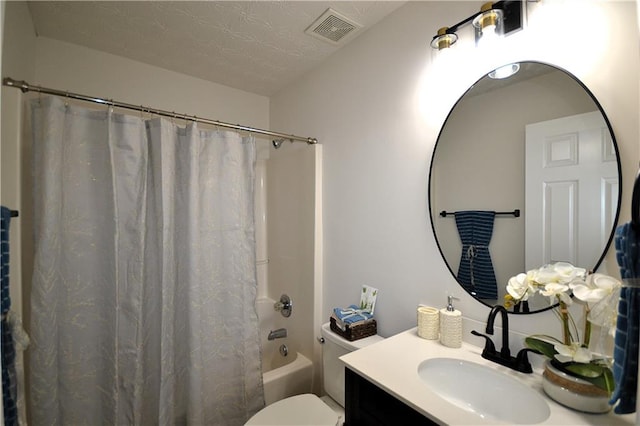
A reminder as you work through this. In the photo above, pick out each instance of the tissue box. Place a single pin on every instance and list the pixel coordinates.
(356, 332)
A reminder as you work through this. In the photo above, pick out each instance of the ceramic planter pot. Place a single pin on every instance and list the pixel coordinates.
(574, 392)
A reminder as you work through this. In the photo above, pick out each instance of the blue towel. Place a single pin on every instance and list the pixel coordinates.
(625, 352)
(9, 391)
(9, 380)
(351, 315)
(5, 216)
(475, 272)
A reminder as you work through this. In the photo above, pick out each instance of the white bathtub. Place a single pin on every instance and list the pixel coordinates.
(290, 379)
(283, 376)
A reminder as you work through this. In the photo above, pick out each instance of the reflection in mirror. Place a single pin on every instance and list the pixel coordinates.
(537, 143)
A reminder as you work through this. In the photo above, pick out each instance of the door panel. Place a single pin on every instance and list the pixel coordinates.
(571, 190)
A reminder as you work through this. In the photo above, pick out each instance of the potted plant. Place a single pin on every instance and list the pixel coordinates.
(576, 374)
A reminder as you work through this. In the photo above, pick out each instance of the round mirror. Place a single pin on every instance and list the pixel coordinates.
(525, 172)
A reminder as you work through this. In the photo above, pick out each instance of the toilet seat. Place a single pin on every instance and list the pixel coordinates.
(305, 409)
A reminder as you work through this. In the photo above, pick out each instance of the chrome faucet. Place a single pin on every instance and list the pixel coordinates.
(277, 334)
(520, 362)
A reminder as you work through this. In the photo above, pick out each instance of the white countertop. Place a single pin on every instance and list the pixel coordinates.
(392, 365)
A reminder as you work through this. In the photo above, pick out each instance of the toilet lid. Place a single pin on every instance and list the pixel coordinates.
(305, 409)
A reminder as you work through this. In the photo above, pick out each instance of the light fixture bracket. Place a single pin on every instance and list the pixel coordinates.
(513, 20)
(512, 15)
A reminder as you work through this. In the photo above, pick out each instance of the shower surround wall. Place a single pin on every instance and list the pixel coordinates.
(293, 197)
(286, 201)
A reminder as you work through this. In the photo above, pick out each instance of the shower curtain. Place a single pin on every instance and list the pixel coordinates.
(144, 273)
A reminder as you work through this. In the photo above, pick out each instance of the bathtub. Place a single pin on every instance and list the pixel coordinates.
(283, 375)
(291, 379)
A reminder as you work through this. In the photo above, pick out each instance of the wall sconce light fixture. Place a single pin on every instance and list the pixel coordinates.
(493, 21)
(488, 24)
(444, 39)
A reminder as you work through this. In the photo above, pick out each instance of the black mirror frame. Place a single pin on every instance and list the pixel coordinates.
(619, 167)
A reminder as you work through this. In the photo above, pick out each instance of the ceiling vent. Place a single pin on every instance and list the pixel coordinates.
(333, 27)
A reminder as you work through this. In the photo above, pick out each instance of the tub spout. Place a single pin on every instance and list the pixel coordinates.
(277, 334)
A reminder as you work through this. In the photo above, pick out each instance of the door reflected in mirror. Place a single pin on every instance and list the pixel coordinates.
(537, 142)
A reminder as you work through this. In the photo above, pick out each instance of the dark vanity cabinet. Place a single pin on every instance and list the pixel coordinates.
(368, 405)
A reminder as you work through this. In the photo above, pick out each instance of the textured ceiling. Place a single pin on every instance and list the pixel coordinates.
(257, 46)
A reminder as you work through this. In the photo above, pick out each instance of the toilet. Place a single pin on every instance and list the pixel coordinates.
(309, 409)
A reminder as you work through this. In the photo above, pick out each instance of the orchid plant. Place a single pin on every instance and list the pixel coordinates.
(598, 293)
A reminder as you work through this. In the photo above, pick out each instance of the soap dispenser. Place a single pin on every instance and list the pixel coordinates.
(450, 325)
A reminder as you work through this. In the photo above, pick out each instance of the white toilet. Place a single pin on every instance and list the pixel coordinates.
(309, 409)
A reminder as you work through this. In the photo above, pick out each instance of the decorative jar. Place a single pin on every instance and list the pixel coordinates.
(574, 392)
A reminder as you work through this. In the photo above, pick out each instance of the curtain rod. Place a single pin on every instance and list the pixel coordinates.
(26, 87)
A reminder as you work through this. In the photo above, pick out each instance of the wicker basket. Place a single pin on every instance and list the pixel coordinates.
(355, 333)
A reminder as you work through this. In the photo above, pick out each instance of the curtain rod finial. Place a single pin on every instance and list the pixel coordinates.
(21, 84)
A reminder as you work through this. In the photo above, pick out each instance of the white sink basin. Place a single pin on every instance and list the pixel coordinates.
(479, 389)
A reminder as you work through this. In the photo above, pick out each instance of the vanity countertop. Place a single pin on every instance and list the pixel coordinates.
(392, 365)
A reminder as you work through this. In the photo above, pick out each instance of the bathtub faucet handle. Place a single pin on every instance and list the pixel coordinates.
(284, 306)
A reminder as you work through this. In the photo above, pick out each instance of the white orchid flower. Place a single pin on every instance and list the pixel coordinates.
(520, 287)
(595, 288)
(573, 352)
(544, 275)
(559, 272)
(567, 272)
(556, 292)
(601, 293)
(598, 292)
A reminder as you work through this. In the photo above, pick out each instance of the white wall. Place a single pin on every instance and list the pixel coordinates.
(17, 60)
(377, 107)
(70, 67)
(17, 51)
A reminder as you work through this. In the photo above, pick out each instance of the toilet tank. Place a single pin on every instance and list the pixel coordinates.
(333, 369)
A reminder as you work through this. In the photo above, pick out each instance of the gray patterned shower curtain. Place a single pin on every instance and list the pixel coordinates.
(144, 280)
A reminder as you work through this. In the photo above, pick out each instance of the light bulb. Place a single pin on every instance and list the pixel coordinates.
(488, 25)
(504, 71)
